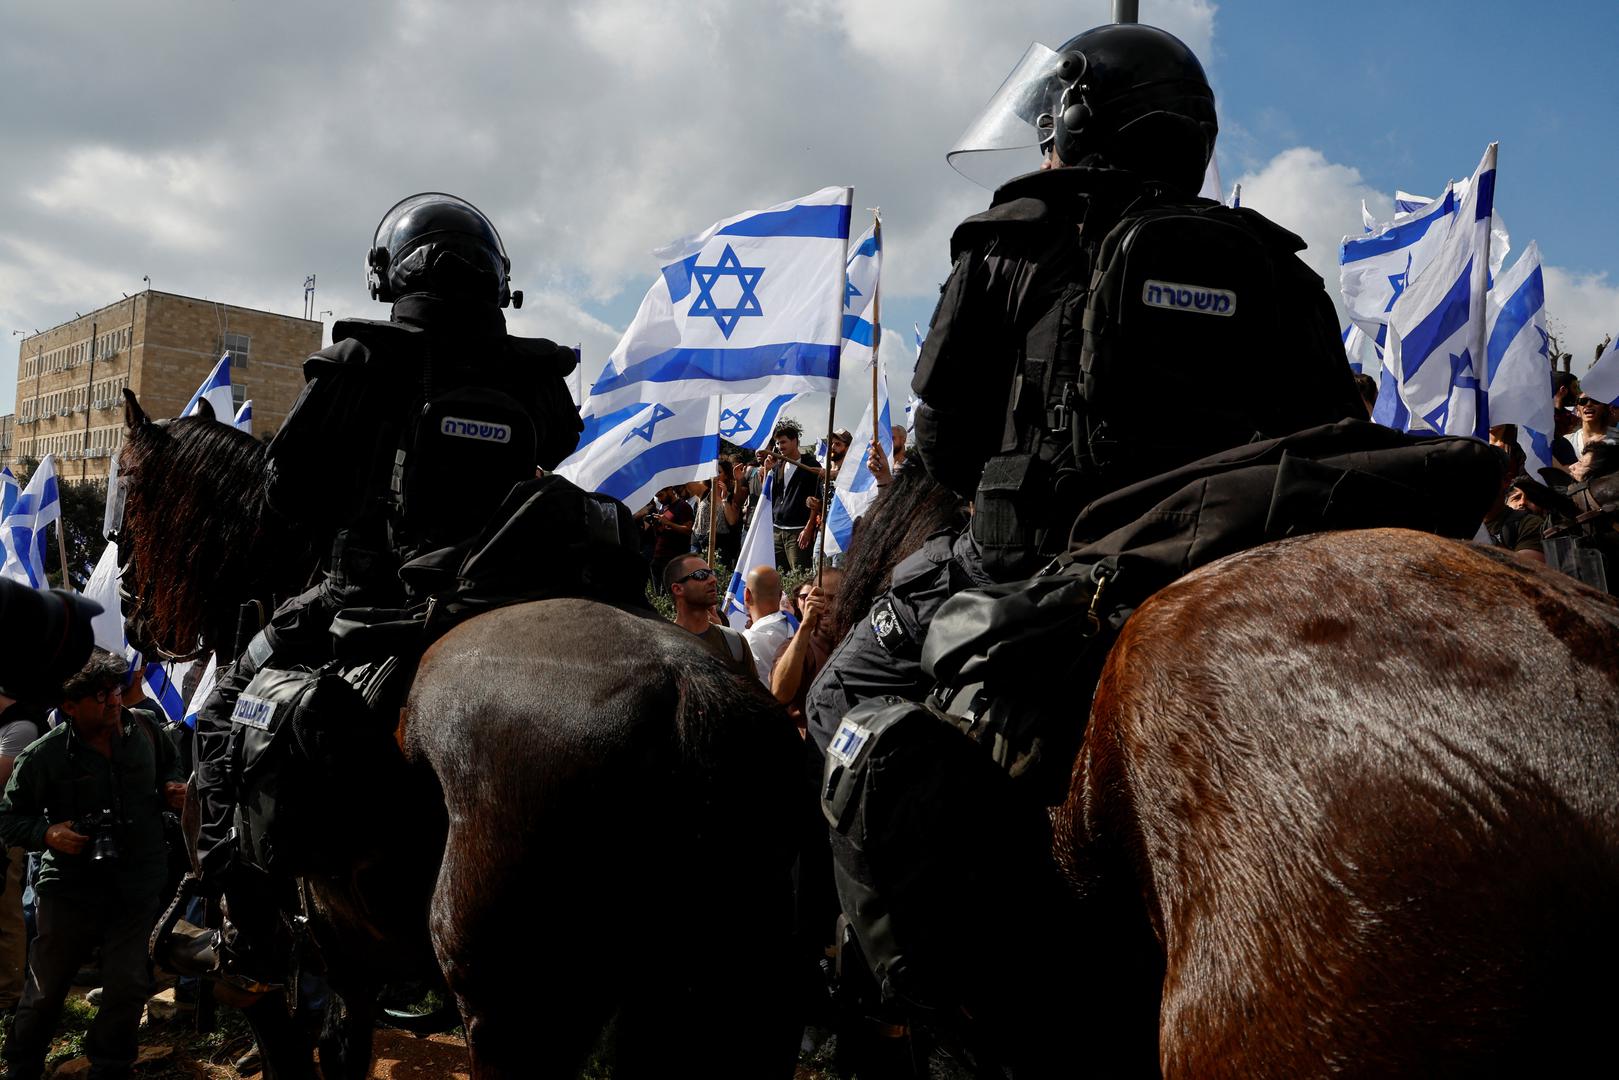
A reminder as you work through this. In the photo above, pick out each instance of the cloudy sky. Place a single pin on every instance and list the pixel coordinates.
(228, 150)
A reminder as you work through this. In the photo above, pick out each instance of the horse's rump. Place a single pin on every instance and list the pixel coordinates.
(1368, 785)
(621, 816)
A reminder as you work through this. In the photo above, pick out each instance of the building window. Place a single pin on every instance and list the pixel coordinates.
(240, 347)
(238, 394)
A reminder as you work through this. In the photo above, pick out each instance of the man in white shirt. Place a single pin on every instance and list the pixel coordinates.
(769, 631)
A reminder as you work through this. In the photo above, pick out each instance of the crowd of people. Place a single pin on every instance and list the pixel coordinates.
(788, 636)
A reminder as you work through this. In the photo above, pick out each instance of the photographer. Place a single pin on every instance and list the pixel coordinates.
(91, 793)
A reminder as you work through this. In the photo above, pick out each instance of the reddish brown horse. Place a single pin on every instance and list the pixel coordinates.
(1349, 804)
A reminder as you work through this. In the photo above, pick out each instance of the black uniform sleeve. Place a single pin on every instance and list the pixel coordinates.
(317, 470)
(965, 371)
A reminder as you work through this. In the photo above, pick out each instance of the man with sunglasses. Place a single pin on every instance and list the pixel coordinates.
(696, 591)
(1595, 425)
(91, 794)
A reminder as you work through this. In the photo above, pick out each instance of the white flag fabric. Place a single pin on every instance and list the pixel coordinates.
(749, 419)
(753, 304)
(865, 268)
(205, 686)
(1375, 269)
(244, 417)
(1519, 350)
(856, 487)
(215, 389)
(24, 531)
(1601, 381)
(631, 453)
(102, 587)
(1436, 338)
(758, 549)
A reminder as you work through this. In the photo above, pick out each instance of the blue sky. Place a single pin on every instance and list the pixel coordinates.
(593, 131)
(1411, 93)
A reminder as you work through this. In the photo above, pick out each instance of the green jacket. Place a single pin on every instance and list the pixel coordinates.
(59, 778)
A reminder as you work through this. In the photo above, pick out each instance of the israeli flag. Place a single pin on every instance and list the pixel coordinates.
(244, 417)
(1437, 338)
(748, 420)
(199, 696)
(108, 627)
(856, 487)
(10, 490)
(23, 532)
(751, 305)
(1354, 347)
(632, 452)
(1236, 196)
(865, 268)
(160, 682)
(1519, 351)
(1602, 380)
(758, 549)
(215, 389)
(1375, 270)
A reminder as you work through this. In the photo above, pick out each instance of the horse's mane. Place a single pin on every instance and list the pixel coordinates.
(905, 514)
(195, 513)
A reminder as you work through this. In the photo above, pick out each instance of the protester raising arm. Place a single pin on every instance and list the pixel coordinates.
(789, 673)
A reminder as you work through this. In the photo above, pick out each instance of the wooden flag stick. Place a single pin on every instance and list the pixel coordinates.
(61, 549)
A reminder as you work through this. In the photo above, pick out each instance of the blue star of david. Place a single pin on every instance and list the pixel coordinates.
(1545, 349)
(738, 419)
(660, 413)
(1398, 282)
(728, 265)
(850, 292)
(1461, 378)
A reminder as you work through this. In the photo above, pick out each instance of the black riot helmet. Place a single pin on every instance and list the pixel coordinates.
(1124, 95)
(1136, 97)
(439, 244)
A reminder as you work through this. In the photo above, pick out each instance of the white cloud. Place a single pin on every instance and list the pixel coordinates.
(1302, 191)
(230, 157)
(1583, 309)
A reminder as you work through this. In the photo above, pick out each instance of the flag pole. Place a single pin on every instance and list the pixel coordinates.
(714, 495)
(61, 546)
(832, 409)
(876, 330)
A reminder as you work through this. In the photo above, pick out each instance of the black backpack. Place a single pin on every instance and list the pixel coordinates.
(468, 447)
(1209, 305)
(1136, 296)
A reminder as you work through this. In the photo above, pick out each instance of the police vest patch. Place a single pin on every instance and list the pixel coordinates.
(1195, 298)
(483, 431)
(847, 743)
(886, 624)
(253, 712)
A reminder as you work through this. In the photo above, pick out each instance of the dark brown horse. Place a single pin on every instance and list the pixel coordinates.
(585, 821)
(1349, 804)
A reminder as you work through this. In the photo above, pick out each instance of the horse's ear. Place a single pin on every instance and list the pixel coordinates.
(205, 409)
(134, 415)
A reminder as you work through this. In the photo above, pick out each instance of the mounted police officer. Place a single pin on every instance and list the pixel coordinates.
(406, 437)
(1088, 291)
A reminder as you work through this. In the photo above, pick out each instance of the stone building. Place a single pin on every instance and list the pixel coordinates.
(70, 378)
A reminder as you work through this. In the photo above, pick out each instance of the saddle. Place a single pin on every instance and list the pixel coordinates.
(548, 539)
(1014, 665)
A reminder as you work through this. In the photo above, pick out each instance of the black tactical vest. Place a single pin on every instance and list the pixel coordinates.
(1097, 330)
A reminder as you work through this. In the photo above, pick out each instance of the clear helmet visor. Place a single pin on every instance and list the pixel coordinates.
(1004, 140)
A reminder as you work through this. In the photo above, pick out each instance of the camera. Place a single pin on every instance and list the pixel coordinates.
(99, 827)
